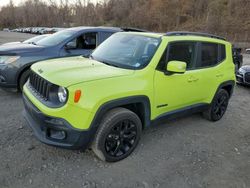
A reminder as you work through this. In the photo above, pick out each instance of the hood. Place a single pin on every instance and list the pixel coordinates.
(73, 70)
(10, 43)
(246, 68)
(20, 48)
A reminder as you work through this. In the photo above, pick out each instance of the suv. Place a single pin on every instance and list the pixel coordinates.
(130, 81)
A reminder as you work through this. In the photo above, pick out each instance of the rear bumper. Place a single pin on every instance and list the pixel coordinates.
(55, 131)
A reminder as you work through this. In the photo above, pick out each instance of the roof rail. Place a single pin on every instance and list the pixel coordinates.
(181, 33)
(133, 29)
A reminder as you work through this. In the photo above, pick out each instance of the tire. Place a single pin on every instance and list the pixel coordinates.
(23, 79)
(218, 106)
(118, 135)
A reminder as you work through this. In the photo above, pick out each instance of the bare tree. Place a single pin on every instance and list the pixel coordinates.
(224, 17)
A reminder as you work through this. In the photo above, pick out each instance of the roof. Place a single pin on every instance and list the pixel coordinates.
(148, 34)
(80, 28)
(183, 35)
(103, 28)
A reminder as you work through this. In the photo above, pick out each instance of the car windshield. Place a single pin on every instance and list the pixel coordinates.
(34, 39)
(127, 50)
(56, 38)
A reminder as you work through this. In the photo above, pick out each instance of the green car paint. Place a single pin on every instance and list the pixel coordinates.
(101, 83)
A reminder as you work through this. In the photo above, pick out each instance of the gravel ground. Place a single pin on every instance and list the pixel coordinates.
(188, 152)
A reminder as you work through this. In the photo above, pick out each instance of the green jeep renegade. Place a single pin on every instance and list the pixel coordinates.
(129, 82)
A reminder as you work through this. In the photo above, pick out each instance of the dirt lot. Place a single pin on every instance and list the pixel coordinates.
(188, 152)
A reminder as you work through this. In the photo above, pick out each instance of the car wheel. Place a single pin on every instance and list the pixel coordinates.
(23, 79)
(118, 135)
(218, 106)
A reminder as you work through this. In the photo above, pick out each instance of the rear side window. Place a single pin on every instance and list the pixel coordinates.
(222, 52)
(211, 54)
(182, 51)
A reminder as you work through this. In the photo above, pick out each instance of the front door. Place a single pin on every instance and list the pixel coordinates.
(81, 45)
(176, 91)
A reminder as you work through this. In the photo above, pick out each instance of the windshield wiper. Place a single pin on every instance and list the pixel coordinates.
(86, 55)
(91, 57)
(32, 43)
(104, 62)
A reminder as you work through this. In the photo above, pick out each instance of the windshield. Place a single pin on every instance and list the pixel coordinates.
(34, 39)
(127, 50)
(56, 38)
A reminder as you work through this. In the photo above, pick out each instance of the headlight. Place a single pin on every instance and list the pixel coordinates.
(8, 59)
(62, 94)
(241, 71)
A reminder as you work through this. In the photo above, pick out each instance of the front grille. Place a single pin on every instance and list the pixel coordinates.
(239, 79)
(40, 85)
(247, 77)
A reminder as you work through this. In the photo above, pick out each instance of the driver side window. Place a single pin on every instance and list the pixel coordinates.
(179, 51)
(86, 41)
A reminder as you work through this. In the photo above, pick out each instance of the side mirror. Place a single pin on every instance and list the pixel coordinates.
(70, 46)
(178, 67)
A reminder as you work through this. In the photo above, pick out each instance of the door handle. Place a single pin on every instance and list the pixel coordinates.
(193, 79)
(219, 75)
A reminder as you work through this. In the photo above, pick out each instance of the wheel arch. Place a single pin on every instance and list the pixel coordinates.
(228, 86)
(20, 73)
(140, 105)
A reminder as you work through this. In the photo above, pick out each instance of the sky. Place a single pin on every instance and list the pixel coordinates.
(16, 2)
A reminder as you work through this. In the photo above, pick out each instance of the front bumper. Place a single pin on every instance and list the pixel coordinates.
(7, 77)
(241, 79)
(56, 131)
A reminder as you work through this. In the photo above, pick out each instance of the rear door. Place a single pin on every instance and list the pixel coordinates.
(208, 68)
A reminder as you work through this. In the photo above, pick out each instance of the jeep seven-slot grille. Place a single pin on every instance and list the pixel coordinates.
(40, 85)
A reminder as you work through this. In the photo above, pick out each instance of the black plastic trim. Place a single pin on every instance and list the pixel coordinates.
(41, 124)
(144, 100)
(230, 83)
(181, 112)
(187, 33)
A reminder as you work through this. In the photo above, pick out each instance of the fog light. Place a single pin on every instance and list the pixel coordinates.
(59, 135)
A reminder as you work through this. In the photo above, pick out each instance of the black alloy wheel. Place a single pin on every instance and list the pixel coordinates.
(118, 135)
(220, 106)
(121, 138)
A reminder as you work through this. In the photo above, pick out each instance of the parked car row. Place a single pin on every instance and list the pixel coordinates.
(36, 30)
(118, 83)
(32, 40)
